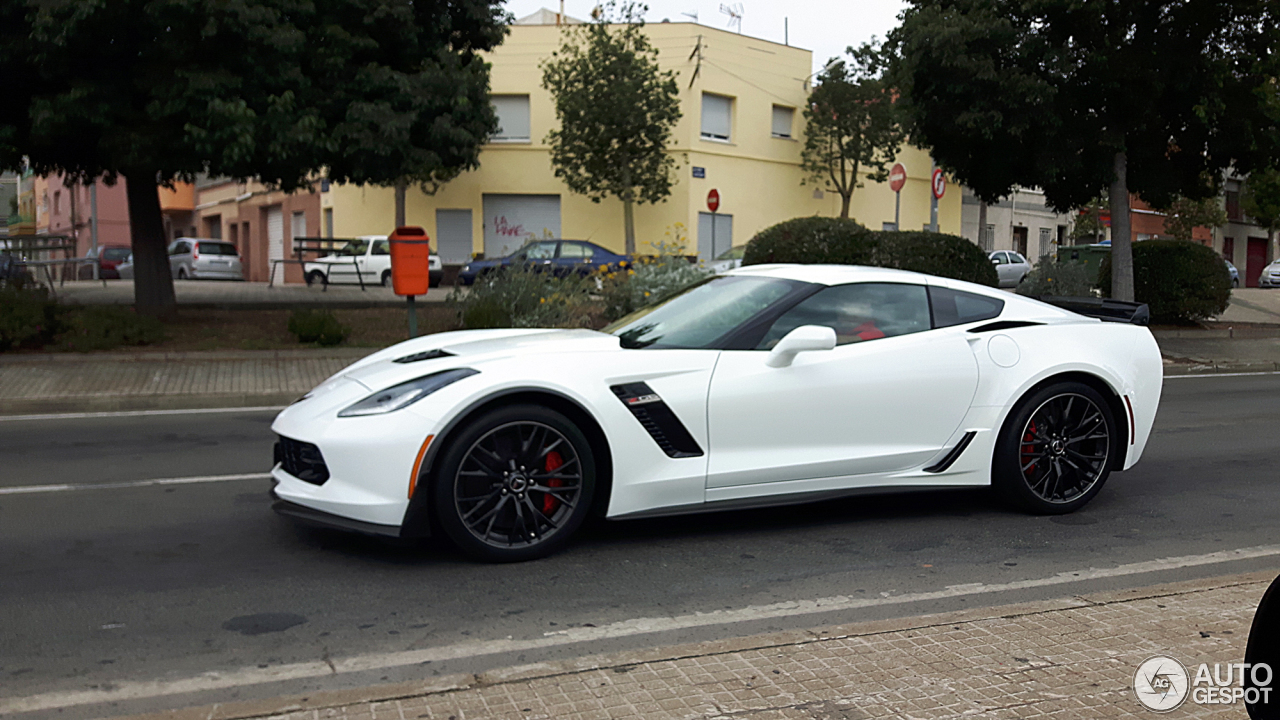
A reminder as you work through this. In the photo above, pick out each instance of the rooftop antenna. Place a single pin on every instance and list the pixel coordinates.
(735, 15)
(693, 15)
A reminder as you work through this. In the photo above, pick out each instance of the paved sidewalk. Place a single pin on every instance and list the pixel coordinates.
(1069, 658)
(51, 383)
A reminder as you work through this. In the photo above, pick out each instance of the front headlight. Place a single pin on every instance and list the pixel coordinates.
(405, 394)
(466, 268)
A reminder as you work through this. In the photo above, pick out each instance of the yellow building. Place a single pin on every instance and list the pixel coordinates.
(741, 134)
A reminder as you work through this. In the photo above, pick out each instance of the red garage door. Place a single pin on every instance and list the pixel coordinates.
(1255, 261)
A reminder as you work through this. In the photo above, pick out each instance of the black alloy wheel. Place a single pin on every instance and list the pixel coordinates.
(1056, 450)
(515, 484)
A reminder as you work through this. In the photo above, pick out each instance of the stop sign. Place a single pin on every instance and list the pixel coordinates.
(897, 177)
(713, 200)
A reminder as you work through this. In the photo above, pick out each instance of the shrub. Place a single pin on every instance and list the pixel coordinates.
(649, 279)
(107, 327)
(949, 256)
(1180, 281)
(812, 240)
(317, 326)
(28, 317)
(524, 297)
(1069, 278)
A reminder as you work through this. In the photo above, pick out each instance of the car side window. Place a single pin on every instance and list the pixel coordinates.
(381, 247)
(1002, 258)
(539, 251)
(1017, 258)
(576, 250)
(857, 312)
(956, 307)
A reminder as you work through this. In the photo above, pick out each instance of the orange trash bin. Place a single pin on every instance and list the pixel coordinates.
(410, 261)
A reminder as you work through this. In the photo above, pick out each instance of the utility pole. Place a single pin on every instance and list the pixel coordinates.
(93, 223)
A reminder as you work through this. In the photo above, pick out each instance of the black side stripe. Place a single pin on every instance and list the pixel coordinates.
(658, 420)
(952, 456)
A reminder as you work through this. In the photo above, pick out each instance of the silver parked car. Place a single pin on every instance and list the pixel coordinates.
(1010, 266)
(1270, 276)
(200, 259)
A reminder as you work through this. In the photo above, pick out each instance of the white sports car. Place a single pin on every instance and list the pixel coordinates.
(770, 384)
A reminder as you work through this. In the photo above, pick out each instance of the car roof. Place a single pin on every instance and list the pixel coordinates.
(832, 274)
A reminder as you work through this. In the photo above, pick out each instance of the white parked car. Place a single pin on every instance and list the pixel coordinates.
(1270, 276)
(771, 384)
(1010, 266)
(201, 259)
(371, 255)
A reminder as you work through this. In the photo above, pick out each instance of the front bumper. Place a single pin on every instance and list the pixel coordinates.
(319, 518)
(1268, 282)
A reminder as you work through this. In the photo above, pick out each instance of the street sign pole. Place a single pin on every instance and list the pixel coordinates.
(897, 180)
(897, 210)
(933, 199)
(713, 204)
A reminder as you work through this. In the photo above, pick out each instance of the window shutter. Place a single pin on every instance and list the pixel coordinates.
(513, 117)
(782, 121)
(717, 116)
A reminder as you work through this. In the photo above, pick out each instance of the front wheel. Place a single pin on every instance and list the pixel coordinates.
(1056, 449)
(315, 277)
(515, 484)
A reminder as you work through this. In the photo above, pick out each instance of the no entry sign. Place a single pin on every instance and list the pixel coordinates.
(939, 183)
(713, 200)
(897, 177)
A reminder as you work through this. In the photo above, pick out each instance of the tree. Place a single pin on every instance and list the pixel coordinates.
(1089, 226)
(367, 91)
(1184, 215)
(1127, 96)
(851, 124)
(616, 110)
(1261, 202)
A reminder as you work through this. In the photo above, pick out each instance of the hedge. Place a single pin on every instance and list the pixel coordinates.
(837, 241)
(1180, 281)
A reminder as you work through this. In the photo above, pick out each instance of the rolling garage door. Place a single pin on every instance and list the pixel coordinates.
(511, 220)
(453, 236)
(275, 233)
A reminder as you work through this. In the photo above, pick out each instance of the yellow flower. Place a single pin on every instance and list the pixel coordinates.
(542, 300)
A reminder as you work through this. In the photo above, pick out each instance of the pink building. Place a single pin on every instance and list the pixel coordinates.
(70, 210)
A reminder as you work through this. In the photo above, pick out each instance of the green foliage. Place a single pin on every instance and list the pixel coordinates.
(90, 328)
(317, 326)
(949, 256)
(1070, 278)
(1180, 281)
(616, 109)
(28, 317)
(852, 125)
(523, 297)
(1261, 198)
(649, 279)
(812, 240)
(837, 241)
(1185, 214)
(1089, 227)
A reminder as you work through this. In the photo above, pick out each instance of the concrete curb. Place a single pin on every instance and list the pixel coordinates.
(130, 403)
(343, 353)
(379, 693)
(1208, 367)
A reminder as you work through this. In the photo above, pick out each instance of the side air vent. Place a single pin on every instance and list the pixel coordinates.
(953, 455)
(425, 355)
(658, 420)
(1003, 325)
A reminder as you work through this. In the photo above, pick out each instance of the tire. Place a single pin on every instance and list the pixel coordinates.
(315, 277)
(386, 278)
(1235, 283)
(482, 475)
(182, 273)
(1056, 449)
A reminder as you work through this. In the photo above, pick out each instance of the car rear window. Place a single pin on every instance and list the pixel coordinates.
(115, 253)
(212, 248)
(956, 307)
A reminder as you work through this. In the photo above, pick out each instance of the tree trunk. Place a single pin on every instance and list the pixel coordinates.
(628, 213)
(1121, 236)
(844, 203)
(152, 281)
(982, 226)
(401, 187)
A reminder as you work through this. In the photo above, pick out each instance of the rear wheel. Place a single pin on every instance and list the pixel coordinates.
(1056, 449)
(515, 484)
(386, 278)
(315, 277)
(182, 273)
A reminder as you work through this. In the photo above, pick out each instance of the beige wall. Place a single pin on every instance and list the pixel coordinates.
(758, 176)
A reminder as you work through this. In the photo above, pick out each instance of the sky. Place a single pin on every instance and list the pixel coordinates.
(826, 27)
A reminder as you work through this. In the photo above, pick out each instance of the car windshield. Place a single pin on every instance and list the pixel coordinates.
(698, 316)
(213, 248)
(113, 253)
(733, 253)
(355, 247)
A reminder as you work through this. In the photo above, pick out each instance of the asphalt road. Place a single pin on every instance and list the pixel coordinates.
(103, 586)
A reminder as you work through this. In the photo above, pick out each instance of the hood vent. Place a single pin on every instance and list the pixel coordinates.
(426, 355)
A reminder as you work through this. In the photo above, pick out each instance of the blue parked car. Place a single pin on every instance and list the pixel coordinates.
(559, 256)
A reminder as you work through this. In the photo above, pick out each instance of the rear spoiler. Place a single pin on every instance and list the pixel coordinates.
(1104, 309)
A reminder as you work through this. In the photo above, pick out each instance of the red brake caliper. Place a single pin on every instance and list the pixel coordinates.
(549, 503)
(1028, 447)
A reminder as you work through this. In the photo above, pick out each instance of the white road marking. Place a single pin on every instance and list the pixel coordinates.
(134, 690)
(34, 489)
(1210, 374)
(140, 413)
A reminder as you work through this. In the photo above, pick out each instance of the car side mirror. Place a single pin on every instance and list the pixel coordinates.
(802, 339)
(995, 261)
